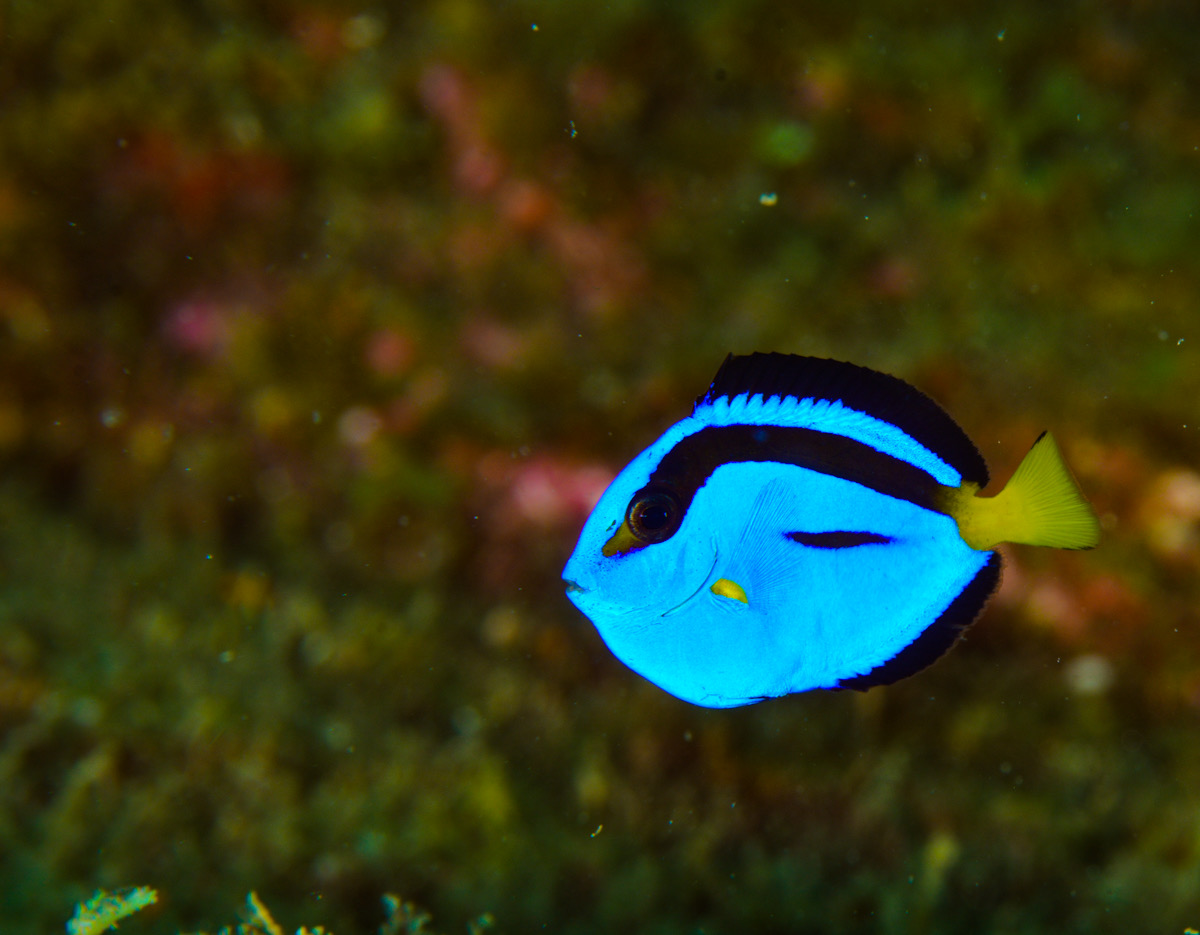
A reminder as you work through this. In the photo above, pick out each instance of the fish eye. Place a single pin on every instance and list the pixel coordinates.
(653, 515)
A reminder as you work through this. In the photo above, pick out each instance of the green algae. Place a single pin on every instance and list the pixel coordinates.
(104, 910)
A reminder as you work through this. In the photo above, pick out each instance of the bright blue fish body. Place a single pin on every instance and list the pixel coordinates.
(800, 530)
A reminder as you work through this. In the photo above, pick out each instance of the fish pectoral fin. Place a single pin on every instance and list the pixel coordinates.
(723, 587)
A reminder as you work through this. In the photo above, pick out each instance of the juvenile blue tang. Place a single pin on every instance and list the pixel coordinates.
(812, 524)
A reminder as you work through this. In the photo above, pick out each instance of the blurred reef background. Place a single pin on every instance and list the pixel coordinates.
(322, 325)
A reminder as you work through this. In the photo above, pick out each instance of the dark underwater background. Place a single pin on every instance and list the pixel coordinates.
(322, 326)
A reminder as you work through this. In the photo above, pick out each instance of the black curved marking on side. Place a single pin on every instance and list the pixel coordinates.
(939, 636)
(687, 467)
(878, 394)
(838, 540)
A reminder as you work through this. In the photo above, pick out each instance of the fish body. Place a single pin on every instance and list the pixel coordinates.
(813, 524)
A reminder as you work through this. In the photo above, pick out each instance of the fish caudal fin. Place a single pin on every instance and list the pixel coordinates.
(1040, 505)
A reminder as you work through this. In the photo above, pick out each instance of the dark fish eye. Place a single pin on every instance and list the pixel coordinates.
(653, 515)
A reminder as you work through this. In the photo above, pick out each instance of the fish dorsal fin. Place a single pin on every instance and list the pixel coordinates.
(879, 395)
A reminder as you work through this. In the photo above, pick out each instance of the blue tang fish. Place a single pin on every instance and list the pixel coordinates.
(812, 524)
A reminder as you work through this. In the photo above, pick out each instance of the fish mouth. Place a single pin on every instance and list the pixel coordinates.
(687, 600)
(573, 587)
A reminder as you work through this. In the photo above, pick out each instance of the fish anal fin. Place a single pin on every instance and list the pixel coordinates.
(938, 637)
(1040, 505)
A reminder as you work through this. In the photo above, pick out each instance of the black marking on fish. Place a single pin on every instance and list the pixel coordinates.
(841, 539)
(687, 467)
(880, 395)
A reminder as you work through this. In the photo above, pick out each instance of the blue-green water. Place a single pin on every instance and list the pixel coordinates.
(322, 326)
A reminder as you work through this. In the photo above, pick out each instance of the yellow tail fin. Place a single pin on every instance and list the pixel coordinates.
(1040, 505)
